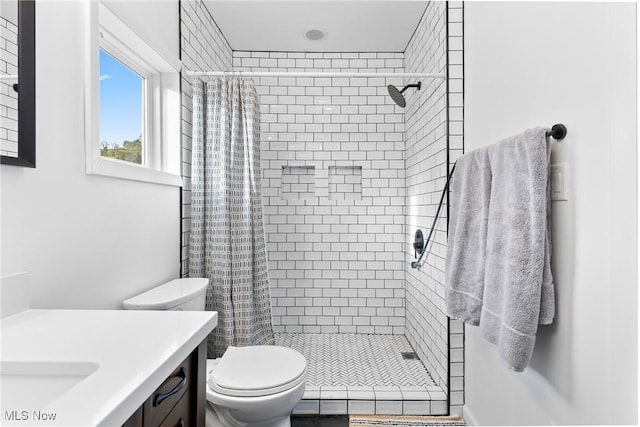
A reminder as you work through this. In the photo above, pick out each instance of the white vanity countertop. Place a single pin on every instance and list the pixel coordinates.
(134, 352)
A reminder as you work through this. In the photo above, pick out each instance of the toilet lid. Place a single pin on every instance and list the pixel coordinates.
(257, 370)
(168, 295)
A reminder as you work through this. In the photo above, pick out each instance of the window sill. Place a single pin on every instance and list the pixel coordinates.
(123, 170)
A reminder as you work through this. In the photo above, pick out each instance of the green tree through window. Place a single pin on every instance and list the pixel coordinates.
(129, 151)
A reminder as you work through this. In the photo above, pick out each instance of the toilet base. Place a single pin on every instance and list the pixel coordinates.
(212, 420)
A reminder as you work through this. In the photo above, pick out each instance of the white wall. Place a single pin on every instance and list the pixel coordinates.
(530, 64)
(156, 21)
(87, 241)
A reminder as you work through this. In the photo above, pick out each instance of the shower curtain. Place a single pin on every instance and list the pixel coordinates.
(227, 243)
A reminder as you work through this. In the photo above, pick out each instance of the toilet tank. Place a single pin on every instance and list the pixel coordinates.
(188, 294)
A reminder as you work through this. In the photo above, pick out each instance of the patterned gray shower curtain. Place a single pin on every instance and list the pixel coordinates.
(227, 243)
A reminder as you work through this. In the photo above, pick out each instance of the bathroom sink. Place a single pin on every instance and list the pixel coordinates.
(34, 384)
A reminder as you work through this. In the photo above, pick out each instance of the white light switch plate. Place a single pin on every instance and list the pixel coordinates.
(559, 182)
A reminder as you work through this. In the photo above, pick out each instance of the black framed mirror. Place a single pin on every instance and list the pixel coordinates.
(25, 155)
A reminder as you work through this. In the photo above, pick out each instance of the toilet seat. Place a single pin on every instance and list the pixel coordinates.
(255, 371)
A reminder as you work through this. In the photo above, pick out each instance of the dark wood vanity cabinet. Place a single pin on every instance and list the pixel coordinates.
(135, 420)
(180, 400)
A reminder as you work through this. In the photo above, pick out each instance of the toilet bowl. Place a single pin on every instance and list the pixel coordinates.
(248, 386)
(256, 385)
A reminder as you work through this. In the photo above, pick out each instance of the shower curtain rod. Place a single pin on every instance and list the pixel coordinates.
(309, 74)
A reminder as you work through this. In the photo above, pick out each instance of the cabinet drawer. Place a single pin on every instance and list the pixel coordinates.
(181, 414)
(169, 393)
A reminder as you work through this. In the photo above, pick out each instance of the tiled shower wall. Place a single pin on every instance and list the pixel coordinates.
(203, 47)
(455, 34)
(334, 187)
(428, 161)
(333, 192)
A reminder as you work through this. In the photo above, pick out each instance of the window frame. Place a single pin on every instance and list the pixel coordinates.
(161, 123)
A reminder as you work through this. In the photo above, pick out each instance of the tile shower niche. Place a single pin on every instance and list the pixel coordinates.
(298, 182)
(345, 182)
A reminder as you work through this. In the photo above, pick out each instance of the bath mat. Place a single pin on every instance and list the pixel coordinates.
(319, 421)
(404, 421)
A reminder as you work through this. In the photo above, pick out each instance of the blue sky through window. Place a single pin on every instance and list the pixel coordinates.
(121, 106)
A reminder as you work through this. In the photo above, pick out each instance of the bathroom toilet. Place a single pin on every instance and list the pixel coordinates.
(248, 386)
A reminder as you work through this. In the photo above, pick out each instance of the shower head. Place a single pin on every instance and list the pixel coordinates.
(397, 96)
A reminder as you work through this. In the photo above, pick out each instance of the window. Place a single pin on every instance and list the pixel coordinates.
(122, 110)
(132, 103)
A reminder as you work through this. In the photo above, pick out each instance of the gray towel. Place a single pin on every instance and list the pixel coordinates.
(518, 286)
(465, 262)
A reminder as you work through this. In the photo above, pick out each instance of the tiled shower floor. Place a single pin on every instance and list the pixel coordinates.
(363, 374)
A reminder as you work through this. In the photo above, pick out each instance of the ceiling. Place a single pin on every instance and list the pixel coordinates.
(351, 26)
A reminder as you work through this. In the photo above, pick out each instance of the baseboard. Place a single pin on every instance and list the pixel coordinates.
(469, 419)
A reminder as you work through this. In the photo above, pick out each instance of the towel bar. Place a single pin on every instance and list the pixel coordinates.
(558, 131)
